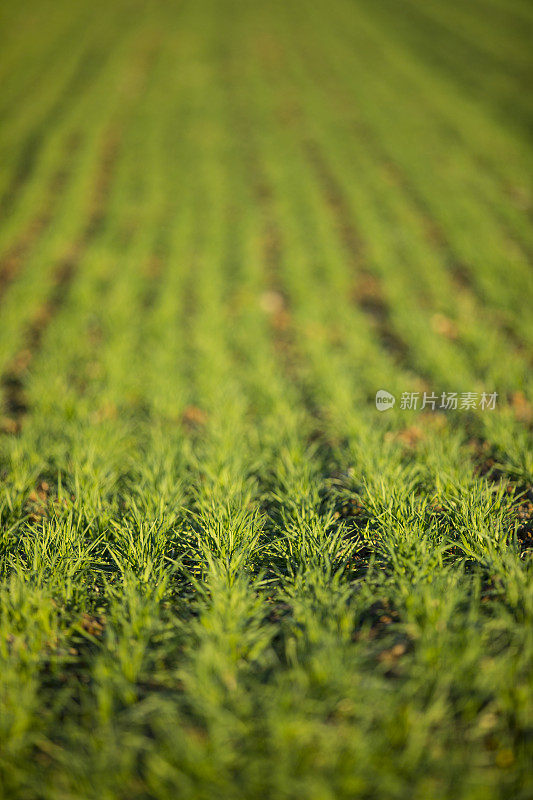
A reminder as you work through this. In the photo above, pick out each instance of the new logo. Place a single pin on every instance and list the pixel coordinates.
(384, 400)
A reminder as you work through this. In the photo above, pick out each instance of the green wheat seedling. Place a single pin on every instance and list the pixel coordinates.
(224, 572)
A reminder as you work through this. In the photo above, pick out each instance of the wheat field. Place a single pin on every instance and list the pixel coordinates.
(227, 570)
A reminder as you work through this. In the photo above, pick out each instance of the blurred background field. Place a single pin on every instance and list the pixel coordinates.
(224, 226)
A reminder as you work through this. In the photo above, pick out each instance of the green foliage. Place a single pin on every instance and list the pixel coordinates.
(223, 573)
